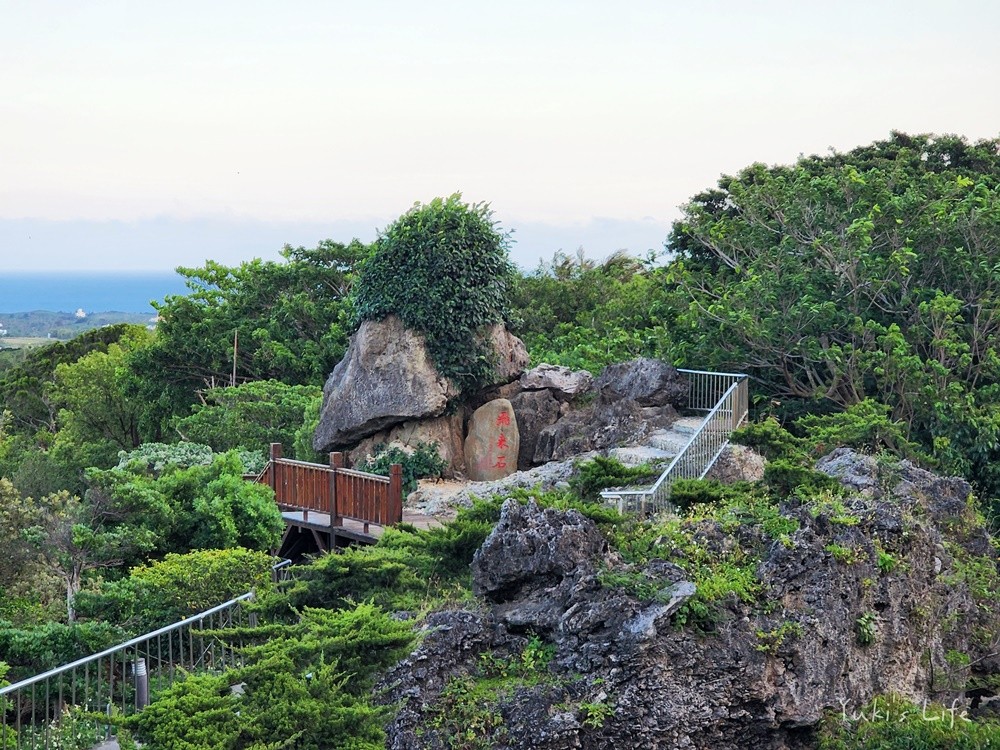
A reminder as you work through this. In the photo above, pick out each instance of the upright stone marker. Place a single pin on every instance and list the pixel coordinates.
(492, 442)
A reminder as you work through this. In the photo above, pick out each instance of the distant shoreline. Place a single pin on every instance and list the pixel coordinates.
(66, 292)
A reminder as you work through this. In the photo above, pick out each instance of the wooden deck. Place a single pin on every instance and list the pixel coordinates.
(351, 529)
(326, 505)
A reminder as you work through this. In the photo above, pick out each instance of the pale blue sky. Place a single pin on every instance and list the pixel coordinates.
(127, 128)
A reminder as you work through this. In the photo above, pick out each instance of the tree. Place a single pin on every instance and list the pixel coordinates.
(195, 507)
(867, 274)
(443, 269)
(250, 416)
(286, 321)
(97, 418)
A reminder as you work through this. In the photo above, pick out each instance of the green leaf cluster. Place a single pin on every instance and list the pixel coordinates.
(443, 269)
(308, 686)
(420, 461)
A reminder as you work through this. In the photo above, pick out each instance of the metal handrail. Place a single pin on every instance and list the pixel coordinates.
(727, 412)
(29, 681)
(38, 703)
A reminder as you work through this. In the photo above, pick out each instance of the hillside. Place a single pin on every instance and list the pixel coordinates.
(45, 324)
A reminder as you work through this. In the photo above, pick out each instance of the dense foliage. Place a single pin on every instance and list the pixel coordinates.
(443, 269)
(250, 416)
(285, 321)
(422, 461)
(866, 274)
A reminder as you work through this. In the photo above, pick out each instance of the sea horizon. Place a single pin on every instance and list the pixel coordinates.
(90, 291)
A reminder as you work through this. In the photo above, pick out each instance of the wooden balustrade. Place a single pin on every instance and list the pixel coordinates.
(334, 491)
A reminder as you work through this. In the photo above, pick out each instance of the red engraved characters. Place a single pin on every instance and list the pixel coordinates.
(503, 420)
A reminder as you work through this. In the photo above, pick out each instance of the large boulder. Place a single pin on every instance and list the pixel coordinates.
(511, 354)
(445, 432)
(386, 377)
(564, 383)
(535, 410)
(599, 426)
(648, 382)
(492, 442)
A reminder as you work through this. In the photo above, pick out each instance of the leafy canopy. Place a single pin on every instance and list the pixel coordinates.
(867, 274)
(443, 269)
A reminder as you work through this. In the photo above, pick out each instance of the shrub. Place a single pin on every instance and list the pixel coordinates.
(422, 462)
(602, 472)
(443, 269)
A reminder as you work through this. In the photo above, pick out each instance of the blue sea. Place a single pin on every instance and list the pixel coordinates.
(91, 291)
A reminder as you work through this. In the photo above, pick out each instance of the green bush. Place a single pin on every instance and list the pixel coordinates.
(602, 472)
(306, 686)
(786, 477)
(178, 586)
(443, 269)
(422, 462)
(893, 723)
(770, 439)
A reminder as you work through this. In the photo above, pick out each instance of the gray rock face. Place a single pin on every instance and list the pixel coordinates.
(564, 383)
(737, 463)
(535, 411)
(446, 432)
(541, 572)
(511, 354)
(385, 378)
(648, 382)
(601, 425)
(492, 442)
(533, 546)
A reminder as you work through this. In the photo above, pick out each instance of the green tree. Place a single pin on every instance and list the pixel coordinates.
(96, 417)
(250, 416)
(195, 507)
(443, 269)
(865, 274)
(286, 321)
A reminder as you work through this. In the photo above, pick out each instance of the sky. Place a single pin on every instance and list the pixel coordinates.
(143, 136)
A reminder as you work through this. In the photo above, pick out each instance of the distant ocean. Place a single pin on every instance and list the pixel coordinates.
(91, 291)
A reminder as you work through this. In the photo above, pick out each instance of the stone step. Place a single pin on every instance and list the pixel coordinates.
(640, 454)
(687, 425)
(669, 441)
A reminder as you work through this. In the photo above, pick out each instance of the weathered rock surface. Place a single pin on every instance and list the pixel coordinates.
(446, 432)
(737, 463)
(511, 354)
(648, 382)
(492, 442)
(564, 383)
(540, 571)
(599, 426)
(535, 411)
(434, 498)
(386, 377)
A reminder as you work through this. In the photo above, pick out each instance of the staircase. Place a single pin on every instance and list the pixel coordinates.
(718, 403)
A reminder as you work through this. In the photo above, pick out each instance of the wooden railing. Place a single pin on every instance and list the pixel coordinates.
(335, 491)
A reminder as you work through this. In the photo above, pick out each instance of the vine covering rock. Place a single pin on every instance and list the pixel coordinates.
(443, 269)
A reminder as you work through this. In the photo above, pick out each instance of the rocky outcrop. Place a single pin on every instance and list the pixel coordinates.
(510, 354)
(562, 382)
(831, 629)
(633, 399)
(385, 378)
(535, 411)
(647, 382)
(446, 432)
(492, 442)
(598, 426)
(737, 463)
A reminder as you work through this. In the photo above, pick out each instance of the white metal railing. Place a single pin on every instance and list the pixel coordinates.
(725, 398)
(37, 713)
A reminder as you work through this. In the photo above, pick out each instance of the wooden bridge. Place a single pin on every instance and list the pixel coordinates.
(326, 505)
